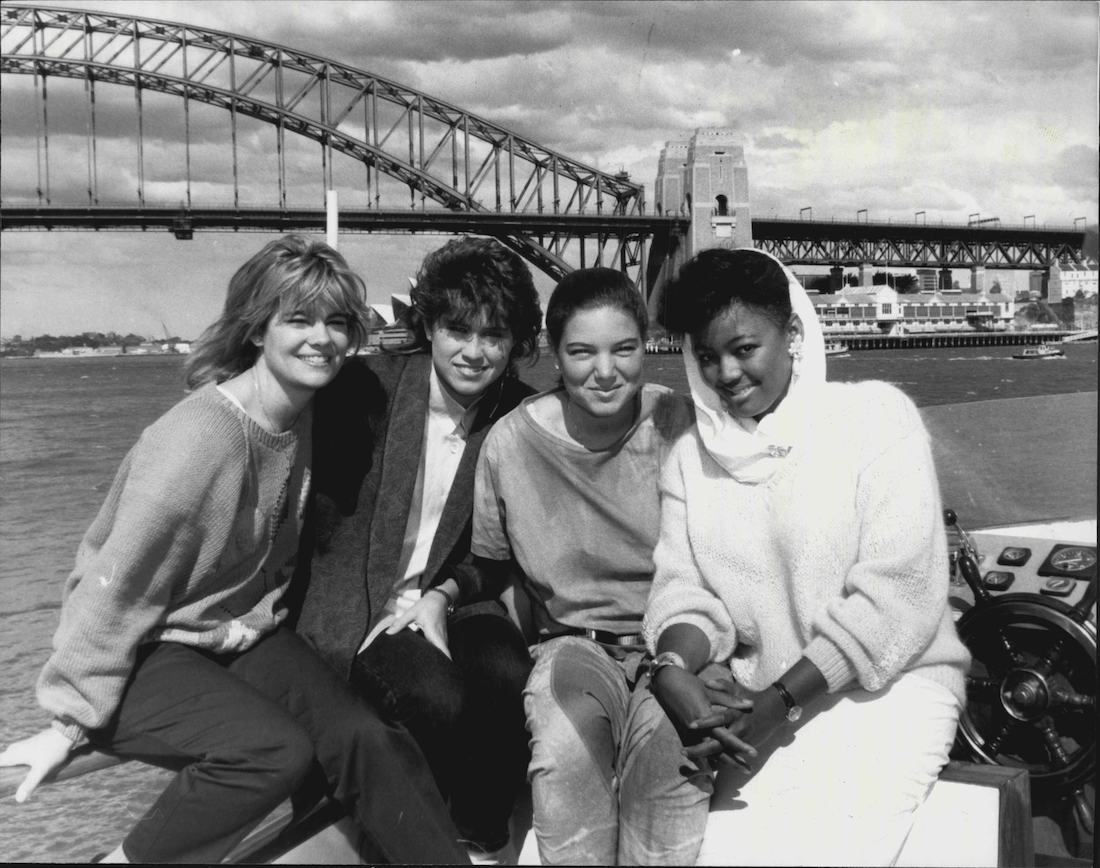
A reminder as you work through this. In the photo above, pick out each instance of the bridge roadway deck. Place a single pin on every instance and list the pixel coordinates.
(351, 220)
(775, 228)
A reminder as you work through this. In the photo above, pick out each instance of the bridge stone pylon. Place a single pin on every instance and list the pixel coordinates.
(705, 179)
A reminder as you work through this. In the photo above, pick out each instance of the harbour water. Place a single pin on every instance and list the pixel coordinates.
(65, 426)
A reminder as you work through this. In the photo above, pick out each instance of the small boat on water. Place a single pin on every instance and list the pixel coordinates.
(835, 348)
(1043, 351)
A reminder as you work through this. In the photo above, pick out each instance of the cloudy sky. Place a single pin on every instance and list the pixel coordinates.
(951, 108)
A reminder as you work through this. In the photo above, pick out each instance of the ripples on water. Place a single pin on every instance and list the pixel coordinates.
(65, 426)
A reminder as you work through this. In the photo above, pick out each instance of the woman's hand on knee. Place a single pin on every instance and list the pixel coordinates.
(429, 615)
(43, 753)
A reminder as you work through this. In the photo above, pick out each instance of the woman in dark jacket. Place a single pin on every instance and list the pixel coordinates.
(390, 596)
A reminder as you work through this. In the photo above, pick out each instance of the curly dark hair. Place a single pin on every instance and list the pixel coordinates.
(588, 288)
(467, 274)
(715, 280)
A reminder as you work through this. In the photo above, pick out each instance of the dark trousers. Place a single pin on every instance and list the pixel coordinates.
(246, 728)
(466, 713)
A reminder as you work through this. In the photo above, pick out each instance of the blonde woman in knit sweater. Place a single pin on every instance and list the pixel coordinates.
(170, 646)
(802, 543)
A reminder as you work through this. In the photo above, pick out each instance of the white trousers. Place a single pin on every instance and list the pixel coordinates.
(842, 789)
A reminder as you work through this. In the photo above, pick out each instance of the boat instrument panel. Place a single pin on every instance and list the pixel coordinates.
(1026, 565)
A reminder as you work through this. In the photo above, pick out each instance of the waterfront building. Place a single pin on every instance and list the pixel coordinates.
(1062, 282)
(1067, 282)
(927, 279)
(883, 310)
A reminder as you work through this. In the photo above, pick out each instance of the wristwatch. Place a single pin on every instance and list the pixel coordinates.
(665, 658)
(794, 710)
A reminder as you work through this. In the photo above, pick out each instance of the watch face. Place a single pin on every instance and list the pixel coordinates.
(1074, 561)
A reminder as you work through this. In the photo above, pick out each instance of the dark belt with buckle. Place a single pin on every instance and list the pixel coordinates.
(604, 637)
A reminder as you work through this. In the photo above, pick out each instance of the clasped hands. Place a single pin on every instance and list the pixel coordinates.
(717, 718)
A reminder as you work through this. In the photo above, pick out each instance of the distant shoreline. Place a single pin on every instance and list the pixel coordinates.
(51, 357)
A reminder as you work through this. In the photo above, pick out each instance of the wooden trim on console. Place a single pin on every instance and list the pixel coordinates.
(1015, 836)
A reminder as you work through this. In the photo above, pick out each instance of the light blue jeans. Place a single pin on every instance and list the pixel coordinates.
(608, 782)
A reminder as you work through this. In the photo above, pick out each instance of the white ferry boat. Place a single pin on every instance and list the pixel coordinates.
(836, 348)
(1043, 351)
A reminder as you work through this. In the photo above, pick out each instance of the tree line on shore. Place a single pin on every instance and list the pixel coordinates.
(18, 346)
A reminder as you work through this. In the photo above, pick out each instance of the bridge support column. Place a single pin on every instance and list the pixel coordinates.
(945, 278)
(706, 178)
(865, 274)
(836, 279)
(977, 278)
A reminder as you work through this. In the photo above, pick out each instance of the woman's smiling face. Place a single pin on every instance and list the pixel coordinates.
(470, 356)
(744, 355)
(600, 357)
(304, 350)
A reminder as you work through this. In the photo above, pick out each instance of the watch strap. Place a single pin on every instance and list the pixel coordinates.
(794, 710)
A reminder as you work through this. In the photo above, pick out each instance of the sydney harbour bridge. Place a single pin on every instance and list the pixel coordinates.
(198, 106)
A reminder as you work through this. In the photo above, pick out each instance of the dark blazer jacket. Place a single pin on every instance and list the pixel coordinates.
(368, 433)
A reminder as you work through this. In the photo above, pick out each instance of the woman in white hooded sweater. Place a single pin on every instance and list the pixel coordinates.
(801, 542)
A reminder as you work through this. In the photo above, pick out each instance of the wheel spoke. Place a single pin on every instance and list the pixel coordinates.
(993, 744)
(983, 688)
(1003, 645)
(1072, 699)
(1058, 756)
(1046, 666)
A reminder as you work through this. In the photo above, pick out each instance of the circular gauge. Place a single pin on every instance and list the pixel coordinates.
(998, 580)
(1073, 560)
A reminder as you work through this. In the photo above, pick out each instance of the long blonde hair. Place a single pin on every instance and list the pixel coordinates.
(291, 273)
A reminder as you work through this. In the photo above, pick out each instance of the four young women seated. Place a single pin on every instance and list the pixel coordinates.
(755, 578)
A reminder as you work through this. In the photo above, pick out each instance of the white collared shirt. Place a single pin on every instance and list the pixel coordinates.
(446, 428)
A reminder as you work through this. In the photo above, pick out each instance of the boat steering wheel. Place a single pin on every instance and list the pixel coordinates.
(1031, 690)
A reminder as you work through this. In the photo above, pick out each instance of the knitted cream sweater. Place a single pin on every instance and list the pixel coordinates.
(194, 544)
(841, 556)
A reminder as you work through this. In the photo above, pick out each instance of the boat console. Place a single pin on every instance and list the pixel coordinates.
(1023, 565)
(1026, 608)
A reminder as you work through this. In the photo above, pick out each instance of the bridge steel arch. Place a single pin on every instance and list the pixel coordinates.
(444, 155)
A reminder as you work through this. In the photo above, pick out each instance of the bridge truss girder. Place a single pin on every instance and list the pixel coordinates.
(443, 155)
(917, 246)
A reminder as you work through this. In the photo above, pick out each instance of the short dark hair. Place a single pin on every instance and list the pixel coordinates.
(466, 274)
(716, 279)
(588, 288)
